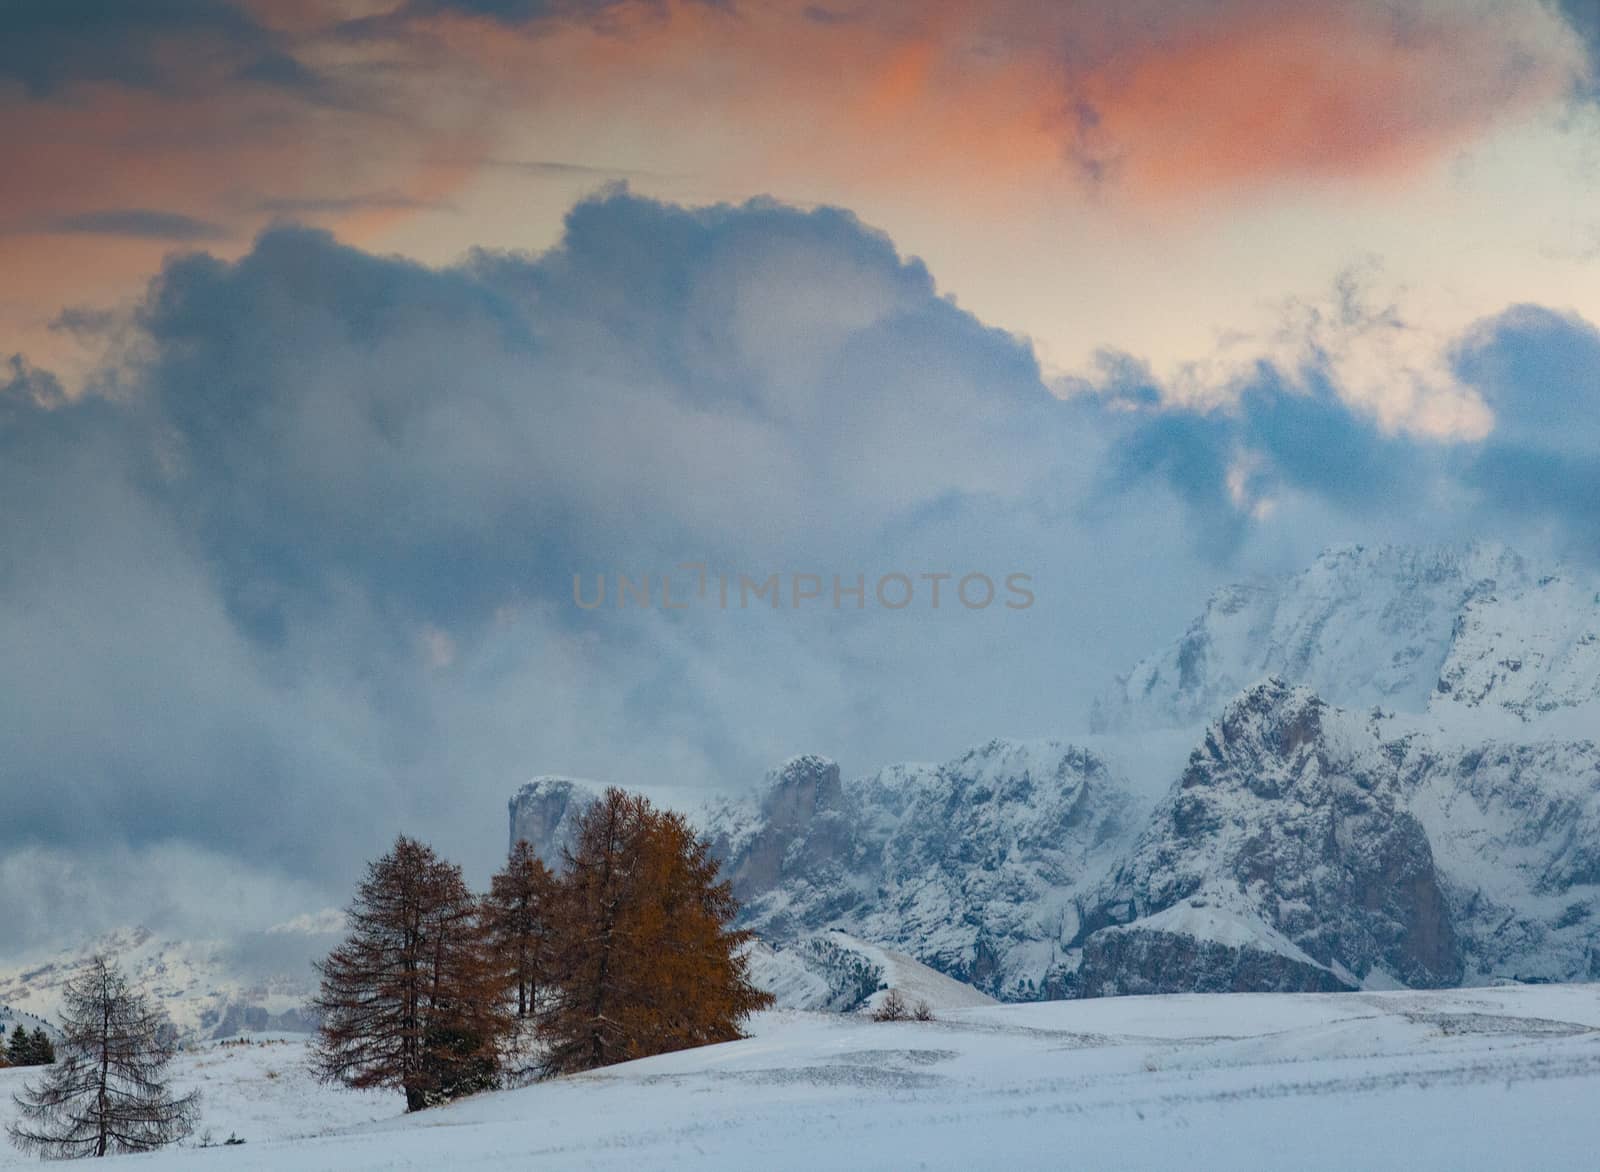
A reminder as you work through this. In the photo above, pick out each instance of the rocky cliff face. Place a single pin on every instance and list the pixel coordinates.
(1516, 833)
(1193, 948)
(1291, 817)
(970, 866)
(800, 834)
(1380, 850)
(544, 811)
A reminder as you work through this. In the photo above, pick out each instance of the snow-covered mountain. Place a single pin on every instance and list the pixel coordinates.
(209, 989)
(543, 811)
(971, 866)
(1363, 846)
(1388, 782)
(1437, 629)
(1531, 650)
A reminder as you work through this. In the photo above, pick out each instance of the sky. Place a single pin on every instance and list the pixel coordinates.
(337, 337)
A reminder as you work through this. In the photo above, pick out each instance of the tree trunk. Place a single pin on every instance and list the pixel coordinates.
(103, 1098)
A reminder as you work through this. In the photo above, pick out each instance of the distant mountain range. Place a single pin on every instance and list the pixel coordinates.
(209, 989)
(1387, 780)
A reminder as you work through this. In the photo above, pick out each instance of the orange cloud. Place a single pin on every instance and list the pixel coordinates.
(1158, 101)
(231, 159)
(981, 109)
(1317, 92)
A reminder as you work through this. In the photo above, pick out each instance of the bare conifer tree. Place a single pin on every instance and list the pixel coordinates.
(106, 1093)
(892, 1008)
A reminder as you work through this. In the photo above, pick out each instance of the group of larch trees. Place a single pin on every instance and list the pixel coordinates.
(627, 951)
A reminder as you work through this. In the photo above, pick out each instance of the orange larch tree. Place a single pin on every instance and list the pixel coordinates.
(648, 960)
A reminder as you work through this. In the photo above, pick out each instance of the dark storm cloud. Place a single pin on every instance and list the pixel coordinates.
(1320, 444)
(1274, 436)
(1584, 17)
(1540, 372)
(306, 578)
(25, 387)
(530, 14)
(162, 46)
(342, 418)
(136, 223)
(1190, 453)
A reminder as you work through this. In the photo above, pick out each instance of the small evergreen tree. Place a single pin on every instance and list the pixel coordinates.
(107, 1094)
(44, 1050)
(412, 999)
(19, 1051)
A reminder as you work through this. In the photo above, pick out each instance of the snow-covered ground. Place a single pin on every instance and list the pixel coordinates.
(1463, 1079)
(261, 1091)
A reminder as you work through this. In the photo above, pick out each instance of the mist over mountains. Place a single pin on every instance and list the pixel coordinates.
(1371, 774)
(1377, 772)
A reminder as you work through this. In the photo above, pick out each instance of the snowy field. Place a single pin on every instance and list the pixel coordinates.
(1476, 1078)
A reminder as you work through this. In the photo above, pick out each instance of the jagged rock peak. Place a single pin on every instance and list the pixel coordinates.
(1272, 718)
(797, 789)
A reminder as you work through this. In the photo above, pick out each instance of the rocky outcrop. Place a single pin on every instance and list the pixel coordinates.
(1144, 958)
(970, 866)
(801, 832)
(544, 811)
(1291, 815)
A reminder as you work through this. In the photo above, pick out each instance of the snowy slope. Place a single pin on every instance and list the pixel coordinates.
(1533, 652)
(834, 972)
(11, 1018)
(260, 1091)
(1459, 1080)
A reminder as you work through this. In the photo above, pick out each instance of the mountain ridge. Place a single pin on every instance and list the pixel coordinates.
(1420, 818)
